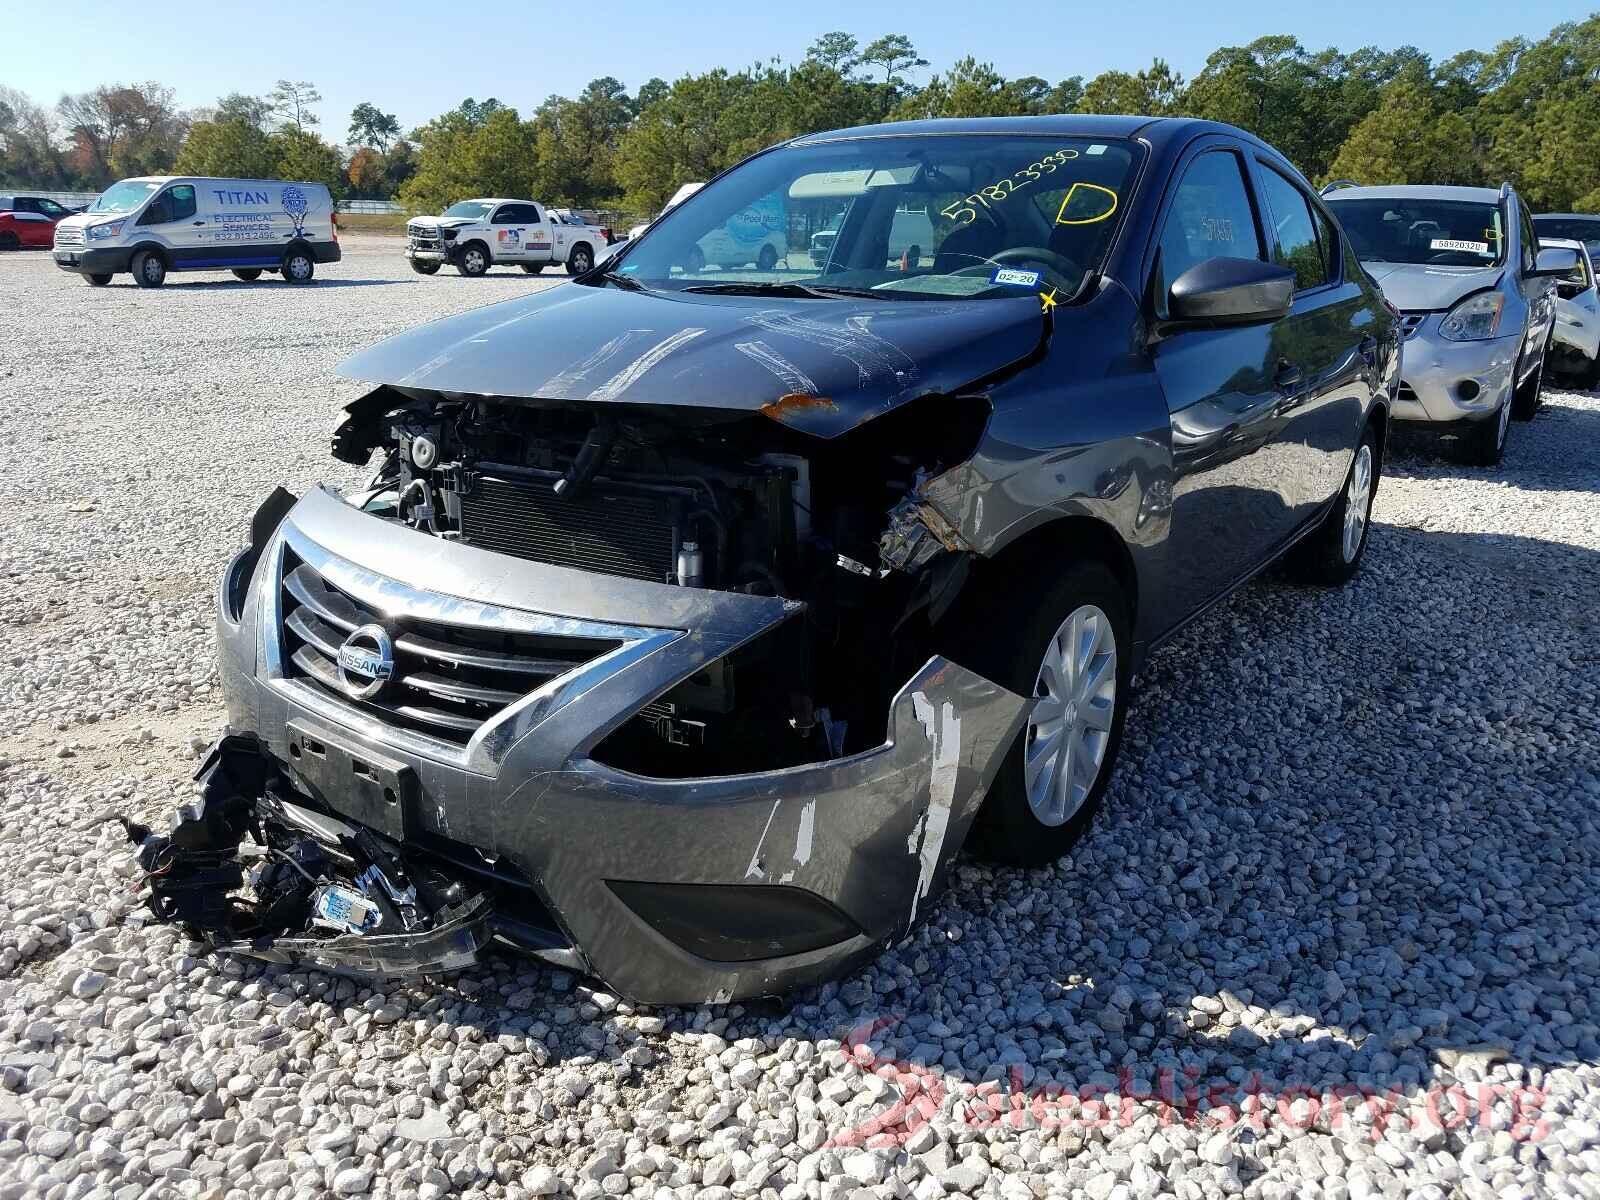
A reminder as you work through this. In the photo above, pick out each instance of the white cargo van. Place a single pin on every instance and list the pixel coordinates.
(160, 223)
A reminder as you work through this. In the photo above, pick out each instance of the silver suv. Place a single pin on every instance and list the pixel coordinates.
(1476, 297)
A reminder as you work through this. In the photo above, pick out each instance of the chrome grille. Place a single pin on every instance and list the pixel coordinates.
(1411, 322)
(423, 237)
(448, 679)
(69, 237)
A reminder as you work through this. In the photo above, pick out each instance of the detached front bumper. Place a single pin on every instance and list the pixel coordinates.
(671, 890)
(1447, 382)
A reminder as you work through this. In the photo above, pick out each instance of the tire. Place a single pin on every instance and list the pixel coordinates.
(1526, 400)
(767, 259)
(1015, 631)
(97, 280)
(533, 268)
(247, 274)
(10, 241)
(1591, 375)
(695, 261)
(424, 268)
(474, 259)
(1331, 554)
(581, 260)
(1485, 443)
(149, 269)
(298, 266)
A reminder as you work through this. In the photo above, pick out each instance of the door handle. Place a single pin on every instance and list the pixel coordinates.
(197, 222)
(1289, 376)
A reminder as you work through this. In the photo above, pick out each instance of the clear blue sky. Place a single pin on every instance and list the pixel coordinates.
(403, 56)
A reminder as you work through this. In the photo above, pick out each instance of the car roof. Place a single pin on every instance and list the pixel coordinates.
(1156, 130)
(1416, 191)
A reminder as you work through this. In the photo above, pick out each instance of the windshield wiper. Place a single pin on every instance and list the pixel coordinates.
(625, 282)
(764, 288)
(811, 291)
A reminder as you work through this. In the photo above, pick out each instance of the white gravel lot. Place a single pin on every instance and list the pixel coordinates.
(1344, 895)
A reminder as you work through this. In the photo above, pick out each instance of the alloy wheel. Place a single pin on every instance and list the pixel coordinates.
(1069, 729)
(1358, 501)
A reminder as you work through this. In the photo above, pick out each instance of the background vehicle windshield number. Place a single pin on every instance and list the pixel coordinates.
(1001, 189)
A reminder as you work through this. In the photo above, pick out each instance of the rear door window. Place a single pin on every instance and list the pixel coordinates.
(1299, 245)
(1211, 217)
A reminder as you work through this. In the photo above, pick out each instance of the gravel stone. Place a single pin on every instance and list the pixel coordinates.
(1348, 869)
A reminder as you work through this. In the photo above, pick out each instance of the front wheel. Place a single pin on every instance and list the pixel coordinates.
(97, 280)
(247, 274)
(1070, 650)
(149, 269)
(424, 268)
(1526, 399)
(1331, 554)
(581, 262)
(10, 241)
(533, 268)
(298, 266)
(474, 260)
(1485, 442)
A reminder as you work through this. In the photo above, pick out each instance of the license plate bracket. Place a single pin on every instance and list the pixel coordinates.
(368, 788)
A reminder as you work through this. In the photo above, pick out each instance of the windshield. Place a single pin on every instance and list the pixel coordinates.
(471, 209)
(124, 197)
(947, 217)
(1449, 233)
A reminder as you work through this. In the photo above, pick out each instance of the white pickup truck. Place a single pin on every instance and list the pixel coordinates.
(475, 235)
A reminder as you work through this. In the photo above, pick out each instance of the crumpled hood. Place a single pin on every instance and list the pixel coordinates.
(440, 222)
(824, 366)
(1416, 287)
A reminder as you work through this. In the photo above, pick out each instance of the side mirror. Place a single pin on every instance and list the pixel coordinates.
(604, 253)
(1231, 291)
(1557, 260)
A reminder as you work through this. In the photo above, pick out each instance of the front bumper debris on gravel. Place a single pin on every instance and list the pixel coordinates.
(670, 890)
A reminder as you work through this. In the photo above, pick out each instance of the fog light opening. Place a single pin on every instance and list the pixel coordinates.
(1468, 389)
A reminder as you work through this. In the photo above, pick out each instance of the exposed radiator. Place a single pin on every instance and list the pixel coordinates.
(613, 533)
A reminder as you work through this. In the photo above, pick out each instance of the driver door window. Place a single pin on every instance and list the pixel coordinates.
(174, 204)
(1211, 217)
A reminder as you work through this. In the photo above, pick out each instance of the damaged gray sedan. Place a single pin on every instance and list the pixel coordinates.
(699, 613)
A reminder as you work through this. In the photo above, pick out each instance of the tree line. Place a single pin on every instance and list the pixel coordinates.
(1527, 111)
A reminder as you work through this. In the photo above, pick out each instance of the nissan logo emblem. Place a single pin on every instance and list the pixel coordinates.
(366, 662)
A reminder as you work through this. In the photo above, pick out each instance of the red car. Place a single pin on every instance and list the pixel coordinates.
(29, 221)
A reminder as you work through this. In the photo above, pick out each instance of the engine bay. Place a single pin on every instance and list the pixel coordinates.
(705, 498)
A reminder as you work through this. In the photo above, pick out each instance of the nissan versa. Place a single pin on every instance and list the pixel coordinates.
(695, 617)
(1477, 297)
